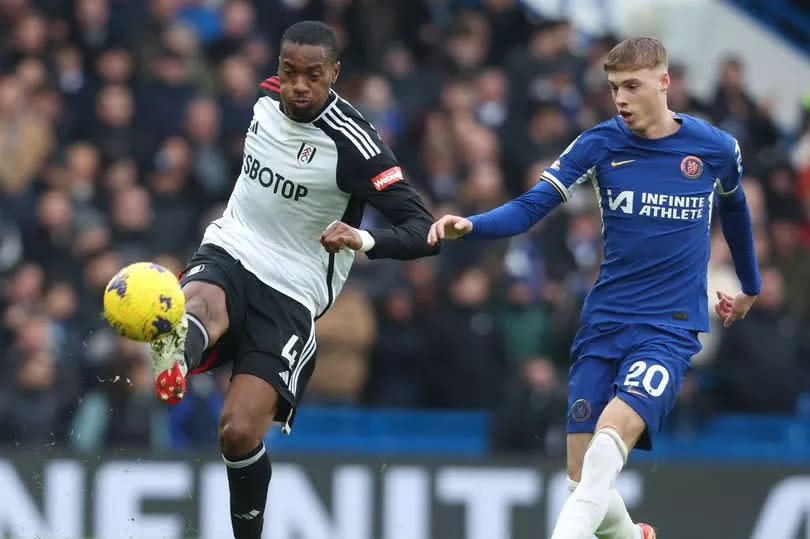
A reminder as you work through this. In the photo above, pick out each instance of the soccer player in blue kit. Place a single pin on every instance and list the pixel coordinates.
(656, 175)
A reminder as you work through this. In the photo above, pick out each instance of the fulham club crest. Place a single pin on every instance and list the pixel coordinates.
(305, 154)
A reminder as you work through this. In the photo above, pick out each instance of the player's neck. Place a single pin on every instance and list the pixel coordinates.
(663, 126)
(286, 111)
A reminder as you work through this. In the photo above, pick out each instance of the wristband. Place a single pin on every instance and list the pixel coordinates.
(367, 240)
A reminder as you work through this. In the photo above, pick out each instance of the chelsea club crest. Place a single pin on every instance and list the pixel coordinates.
(691, 167)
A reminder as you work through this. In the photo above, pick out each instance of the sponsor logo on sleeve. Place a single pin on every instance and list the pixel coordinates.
(386, 178)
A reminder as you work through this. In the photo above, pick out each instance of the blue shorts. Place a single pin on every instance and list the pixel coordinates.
(642, 364)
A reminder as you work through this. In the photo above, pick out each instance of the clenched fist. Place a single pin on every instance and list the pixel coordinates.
(339, 235)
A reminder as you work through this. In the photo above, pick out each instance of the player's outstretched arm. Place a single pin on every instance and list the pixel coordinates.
(513, 218)
(449, 227)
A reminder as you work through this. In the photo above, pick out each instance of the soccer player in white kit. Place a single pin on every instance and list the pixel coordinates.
(279, 255)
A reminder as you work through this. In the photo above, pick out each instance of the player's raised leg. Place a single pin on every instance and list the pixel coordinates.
(205, 321)
(250, 406)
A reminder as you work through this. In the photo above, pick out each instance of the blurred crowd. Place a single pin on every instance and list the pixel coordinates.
(121, 132)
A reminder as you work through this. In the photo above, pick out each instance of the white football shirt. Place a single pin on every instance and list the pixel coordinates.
(298, 177)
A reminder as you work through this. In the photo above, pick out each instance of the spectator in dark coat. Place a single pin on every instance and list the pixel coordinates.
(468, 359)
(763, 363)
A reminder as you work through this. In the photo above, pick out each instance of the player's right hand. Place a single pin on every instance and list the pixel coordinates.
(449, 227)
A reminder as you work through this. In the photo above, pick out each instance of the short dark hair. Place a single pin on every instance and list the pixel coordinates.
(313, 33)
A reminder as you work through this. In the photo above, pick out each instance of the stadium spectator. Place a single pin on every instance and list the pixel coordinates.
(208, 160)
(401, 356)
(25, 138)
(115, 134)
(734, 110)
(469, 364)
(746, 380)
(530, 418)
(345, 336)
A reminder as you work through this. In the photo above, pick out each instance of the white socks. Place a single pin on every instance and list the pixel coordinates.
(617, 523)
(586, 508)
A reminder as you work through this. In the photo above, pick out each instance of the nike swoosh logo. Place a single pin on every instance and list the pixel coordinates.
(617, 163)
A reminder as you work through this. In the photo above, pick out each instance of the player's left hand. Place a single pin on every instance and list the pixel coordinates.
(339, 235)
(730, 309)
(450, 227)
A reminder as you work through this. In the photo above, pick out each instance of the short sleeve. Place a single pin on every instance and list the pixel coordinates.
(574, 166)
(730, 169)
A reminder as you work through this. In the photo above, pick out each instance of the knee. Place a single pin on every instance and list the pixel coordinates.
(202, 308)
(238, 435)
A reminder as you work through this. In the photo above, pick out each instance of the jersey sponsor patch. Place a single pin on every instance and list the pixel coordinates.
(386, 178)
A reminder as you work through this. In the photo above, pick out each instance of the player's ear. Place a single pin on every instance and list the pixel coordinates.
(335, 71)
(663, 81)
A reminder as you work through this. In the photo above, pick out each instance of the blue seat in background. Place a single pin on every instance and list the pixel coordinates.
(739, 437)
(321, 429)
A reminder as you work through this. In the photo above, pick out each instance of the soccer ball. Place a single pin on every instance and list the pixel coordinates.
(144, 301)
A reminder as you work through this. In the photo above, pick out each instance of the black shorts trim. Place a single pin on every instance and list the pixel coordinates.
(330, 272)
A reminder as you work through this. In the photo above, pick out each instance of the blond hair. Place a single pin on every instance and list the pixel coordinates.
(636, 53)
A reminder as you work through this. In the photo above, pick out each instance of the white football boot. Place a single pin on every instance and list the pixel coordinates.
(169, 364)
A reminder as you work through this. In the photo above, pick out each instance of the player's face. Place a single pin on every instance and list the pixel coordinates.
(639, 95)
(306, 74)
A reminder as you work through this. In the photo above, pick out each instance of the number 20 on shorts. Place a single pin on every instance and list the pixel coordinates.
(647, 376)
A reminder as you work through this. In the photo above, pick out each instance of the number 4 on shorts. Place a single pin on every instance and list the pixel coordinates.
(288, 353)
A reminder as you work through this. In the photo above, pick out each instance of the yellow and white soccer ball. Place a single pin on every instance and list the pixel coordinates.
(144, 301)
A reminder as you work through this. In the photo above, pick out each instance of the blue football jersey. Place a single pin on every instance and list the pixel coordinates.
(655, 197)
